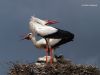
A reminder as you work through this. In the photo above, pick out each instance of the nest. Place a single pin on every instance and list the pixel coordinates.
(61, 67)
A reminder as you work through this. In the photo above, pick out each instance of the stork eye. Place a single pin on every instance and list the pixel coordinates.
(30, 33)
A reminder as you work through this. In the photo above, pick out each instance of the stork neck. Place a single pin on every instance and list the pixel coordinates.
(35, 25)
(33, 39)
(42, 22)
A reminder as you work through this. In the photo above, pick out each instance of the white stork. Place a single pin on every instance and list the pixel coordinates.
(41, 28)
(47, 32)
(54, 43)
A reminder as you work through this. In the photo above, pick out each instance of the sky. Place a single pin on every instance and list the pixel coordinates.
(81, 17)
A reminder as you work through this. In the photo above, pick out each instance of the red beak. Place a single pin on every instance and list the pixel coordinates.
(51, 22)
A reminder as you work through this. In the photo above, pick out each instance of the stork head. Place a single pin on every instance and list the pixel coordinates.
(28, 36)
(51, 22)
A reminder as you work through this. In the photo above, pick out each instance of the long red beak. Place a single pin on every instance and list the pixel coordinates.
(51, 22)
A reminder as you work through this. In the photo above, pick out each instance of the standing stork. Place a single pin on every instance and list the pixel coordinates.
(54, 43)
(48, 32)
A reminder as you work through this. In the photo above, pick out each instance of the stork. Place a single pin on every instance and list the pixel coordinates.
(41, 28)
(48, 32)
(54, 43)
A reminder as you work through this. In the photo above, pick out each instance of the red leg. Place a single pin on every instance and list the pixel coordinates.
(47, 49)
(46, 55)
(51, 57)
